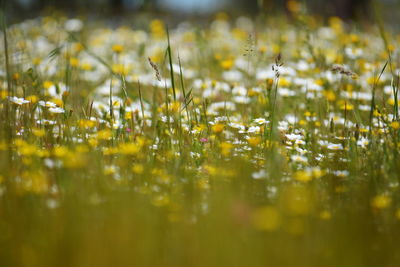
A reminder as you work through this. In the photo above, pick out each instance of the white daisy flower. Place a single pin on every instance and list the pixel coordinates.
(259, 175)
(335, 146)
(56, 110)
(18, 101)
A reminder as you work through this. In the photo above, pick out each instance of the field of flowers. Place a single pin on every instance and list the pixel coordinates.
(240, 142)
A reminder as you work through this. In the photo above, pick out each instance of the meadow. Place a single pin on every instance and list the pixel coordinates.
(237, 142)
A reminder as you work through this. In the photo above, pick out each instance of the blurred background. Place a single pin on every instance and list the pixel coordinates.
(347, 9)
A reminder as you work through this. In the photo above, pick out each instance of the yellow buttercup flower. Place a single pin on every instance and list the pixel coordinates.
(381, 201)
(117, 48)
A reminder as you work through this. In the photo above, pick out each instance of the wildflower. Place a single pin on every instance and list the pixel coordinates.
(330, 95)
(293, 137)
(227, 64)
(363, 142)
(32, 98)
(298, 158)
(262, 49)
(232, 75)
(18, 101)
(251, 129)
(83, 123)
(302, 176)
(259, 175)
(317, 172)
(226, 148)
(157, 28)
(16, 76)
(52, 203)
(353, 53)
(45, 122)
(260, 121)
(60, 151)
(395, 125)
(109, 170)
(137, 168)
(121, 69)
(73, 25)
(218, 128)
(38, 132)
(293, 6)
(341, 174)
(381, 201)
(107, 151)
(56, 110)
(86, 66)
(286, 92)
(175, 106)
(105, 134)
(335, 146)
(117, 48)
(3, 94)
(74, 62)
(33, 182)
(300, 142)
(27, 149)
(194, 155)
(347, 106)
(47, 104)
(241, 99)
(254, 141)
(129, 149)
(36, 61)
